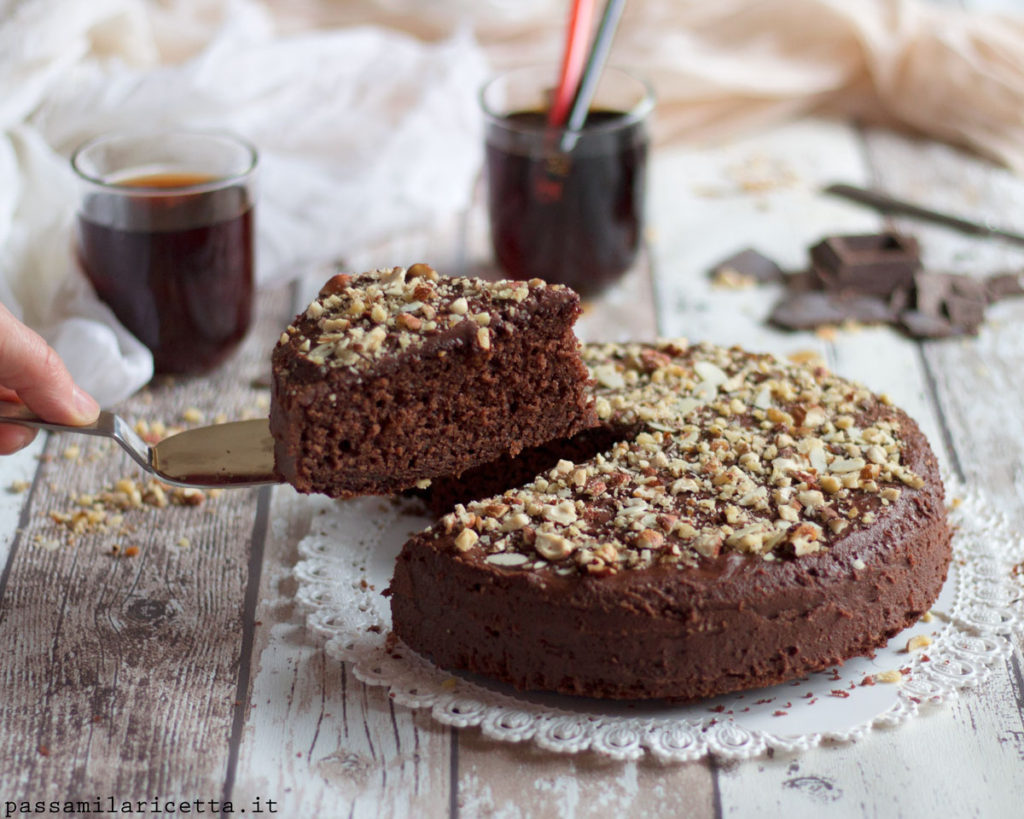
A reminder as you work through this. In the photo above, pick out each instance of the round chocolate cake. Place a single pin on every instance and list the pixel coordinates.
(743, 522)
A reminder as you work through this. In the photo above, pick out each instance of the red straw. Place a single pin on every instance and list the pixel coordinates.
(580, 17)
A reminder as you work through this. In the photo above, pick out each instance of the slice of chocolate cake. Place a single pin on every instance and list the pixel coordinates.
(391, 378)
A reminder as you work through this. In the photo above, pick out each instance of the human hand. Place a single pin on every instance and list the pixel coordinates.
(32, 372)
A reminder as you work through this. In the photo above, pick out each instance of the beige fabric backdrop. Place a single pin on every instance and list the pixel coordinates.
(725, 66)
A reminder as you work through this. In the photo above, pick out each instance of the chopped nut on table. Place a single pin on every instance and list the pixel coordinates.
(106, 511)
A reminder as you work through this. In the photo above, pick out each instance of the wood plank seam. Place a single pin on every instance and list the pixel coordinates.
(453, 767)
(947, 434)
(716, 792)
(1016, 682)
(23, 521)
(252, 588)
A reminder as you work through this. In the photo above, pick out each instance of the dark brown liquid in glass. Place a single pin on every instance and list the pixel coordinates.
(574, 218)
(175, 267)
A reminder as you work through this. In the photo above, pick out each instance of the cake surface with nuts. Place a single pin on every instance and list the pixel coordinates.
(734, 522)
(396, 376)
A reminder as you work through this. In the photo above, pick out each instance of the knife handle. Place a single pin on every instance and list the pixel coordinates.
(887, 204)
(106, 425)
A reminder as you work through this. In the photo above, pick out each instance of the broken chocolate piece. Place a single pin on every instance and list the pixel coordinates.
(749, 265)
(934, 288)
(805, 311)
(961, 299)
(872, 279)
(923, 325)
(1004, 285)
(901, 299)
(965, 313)
(872, 264)
(802, 281)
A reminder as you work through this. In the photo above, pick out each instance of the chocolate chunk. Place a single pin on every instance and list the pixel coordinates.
(901, 299)
(931, 290)
(965, 313)
(802, 281)
(866, 309)
(924, 325)
(750, 265)
(872, 264)
(1004, 285)
(961, 299)
(805, 311)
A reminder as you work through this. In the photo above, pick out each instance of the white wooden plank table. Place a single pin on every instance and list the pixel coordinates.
(184, 672)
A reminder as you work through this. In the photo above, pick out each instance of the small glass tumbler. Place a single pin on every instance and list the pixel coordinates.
(166, 236)
(566, 206)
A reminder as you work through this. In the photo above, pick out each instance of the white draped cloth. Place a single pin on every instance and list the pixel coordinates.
(369, 127)
(362, 132)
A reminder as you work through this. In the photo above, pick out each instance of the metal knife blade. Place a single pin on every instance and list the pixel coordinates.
(888, 204)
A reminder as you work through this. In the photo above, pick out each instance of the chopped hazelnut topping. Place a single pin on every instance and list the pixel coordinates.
(552, 547)
(466, 539)
(724, 451)
(358, 319)
(830, 484)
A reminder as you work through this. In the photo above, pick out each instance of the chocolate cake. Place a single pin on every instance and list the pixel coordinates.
(747, 522)
(393, 377)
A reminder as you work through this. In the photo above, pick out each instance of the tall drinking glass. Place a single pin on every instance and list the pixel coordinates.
(566, 206)
(165, 235)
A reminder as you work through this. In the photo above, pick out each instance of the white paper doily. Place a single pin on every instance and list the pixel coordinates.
(348, 560)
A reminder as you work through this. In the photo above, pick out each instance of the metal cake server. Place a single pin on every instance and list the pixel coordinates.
(239, 453)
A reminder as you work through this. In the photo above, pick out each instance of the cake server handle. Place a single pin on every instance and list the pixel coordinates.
(235, 454)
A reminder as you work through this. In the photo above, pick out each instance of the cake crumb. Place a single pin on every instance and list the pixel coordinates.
(728, 278)
(806, 357)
